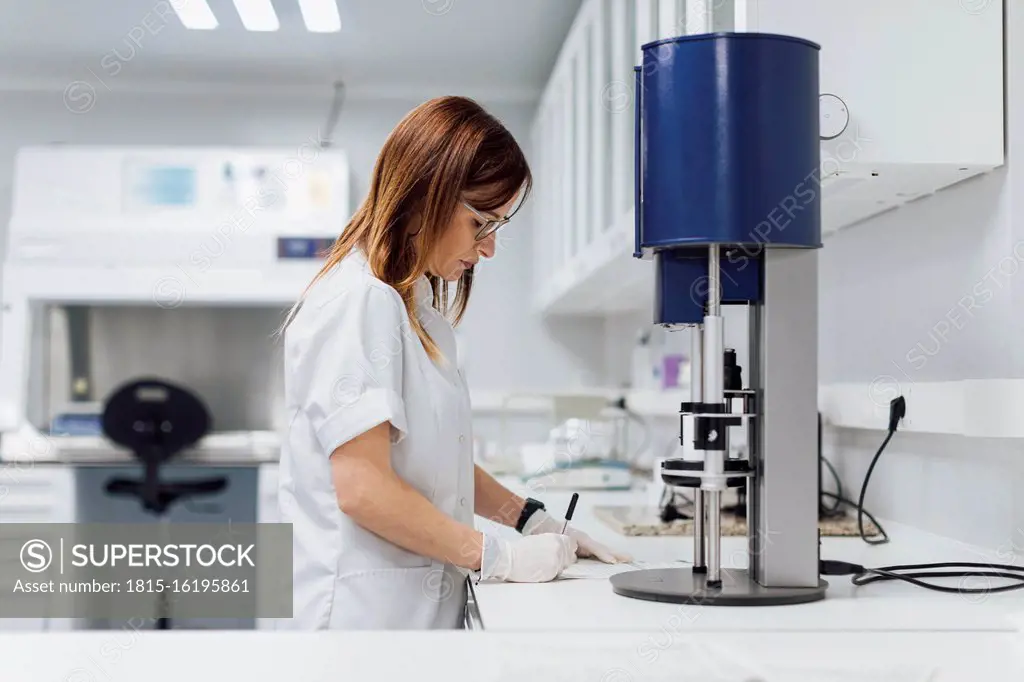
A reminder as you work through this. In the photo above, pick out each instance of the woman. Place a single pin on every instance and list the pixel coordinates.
(377, 472)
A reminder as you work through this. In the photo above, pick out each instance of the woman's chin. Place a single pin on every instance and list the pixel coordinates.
(454, 273)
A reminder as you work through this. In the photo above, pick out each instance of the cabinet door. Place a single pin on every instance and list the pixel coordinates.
(35, 493)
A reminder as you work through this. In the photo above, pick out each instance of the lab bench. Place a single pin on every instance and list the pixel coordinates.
(506, 657)
(589, 604)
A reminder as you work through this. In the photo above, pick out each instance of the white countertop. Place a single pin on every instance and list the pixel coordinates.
(580, 630)
(590, 604)
(243, 448)
(452, 656)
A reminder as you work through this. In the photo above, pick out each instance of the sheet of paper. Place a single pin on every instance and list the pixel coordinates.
(589, 569)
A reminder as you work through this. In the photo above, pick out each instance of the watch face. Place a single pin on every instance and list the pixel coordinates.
(529, 507)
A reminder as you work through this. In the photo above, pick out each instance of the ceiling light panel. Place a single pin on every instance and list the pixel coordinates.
(257, 15)
(320, 16)
(194, 14)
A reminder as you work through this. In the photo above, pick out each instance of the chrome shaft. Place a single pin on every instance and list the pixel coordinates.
(698, 529)
(697, 396)
(714, 537)
(714, 393)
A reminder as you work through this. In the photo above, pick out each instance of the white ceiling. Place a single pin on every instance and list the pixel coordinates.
(504, 48)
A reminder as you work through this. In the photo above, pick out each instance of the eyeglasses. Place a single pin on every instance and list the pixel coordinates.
(490, 225)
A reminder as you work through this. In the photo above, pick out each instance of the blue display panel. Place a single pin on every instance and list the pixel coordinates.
(303, 247)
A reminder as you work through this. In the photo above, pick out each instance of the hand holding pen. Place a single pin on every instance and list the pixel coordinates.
(569, 511)
(543, 522)
(587, 547)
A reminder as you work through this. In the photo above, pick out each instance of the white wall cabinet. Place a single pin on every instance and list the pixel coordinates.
(921, 82)
(583, 142)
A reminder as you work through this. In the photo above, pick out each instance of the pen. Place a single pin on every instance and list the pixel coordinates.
(568, 513)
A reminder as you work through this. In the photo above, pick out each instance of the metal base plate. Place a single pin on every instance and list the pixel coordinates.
(683, 586)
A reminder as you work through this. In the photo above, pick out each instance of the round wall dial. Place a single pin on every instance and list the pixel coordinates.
(834, 116)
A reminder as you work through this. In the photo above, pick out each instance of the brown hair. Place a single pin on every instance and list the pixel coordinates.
(440, 150)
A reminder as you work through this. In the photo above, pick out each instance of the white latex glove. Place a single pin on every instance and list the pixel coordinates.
(535, 559)
(542, 522)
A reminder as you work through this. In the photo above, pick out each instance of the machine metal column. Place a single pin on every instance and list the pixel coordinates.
(783, 537)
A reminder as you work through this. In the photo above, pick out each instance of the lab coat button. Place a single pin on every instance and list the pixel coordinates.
(462, 438)
(462, 501)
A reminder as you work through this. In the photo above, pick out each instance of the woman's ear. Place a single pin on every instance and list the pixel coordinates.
(414, 232)
(414, 225)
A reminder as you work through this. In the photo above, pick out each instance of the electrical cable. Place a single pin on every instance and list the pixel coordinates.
(670, 510)
(834, 509)
(913, 573)
(864, 489)
(840, 501)
(897, 411)
(863, 575)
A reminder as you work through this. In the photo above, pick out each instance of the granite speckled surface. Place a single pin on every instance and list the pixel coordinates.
(645, 521)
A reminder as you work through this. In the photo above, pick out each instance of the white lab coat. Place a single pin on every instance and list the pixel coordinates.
(352, 362)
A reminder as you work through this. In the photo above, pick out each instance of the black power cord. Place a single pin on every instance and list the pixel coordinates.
(913, 573)
(824, 510)
(897, 411)
(840, 501)
(863, 575)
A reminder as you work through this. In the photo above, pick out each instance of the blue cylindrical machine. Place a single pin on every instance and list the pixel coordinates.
(729, 206)
(727, 153)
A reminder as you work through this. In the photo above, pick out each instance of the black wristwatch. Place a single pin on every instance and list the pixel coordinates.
(529, 508)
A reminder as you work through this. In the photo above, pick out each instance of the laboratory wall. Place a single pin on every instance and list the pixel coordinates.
(506, 346)
(934, 291)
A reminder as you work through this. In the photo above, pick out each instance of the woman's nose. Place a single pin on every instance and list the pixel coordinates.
(487, 246)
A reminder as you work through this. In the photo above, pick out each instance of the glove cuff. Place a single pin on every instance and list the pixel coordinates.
(496, 559)
(540, 522)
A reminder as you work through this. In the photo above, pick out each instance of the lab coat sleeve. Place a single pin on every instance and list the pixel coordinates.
(354, 363)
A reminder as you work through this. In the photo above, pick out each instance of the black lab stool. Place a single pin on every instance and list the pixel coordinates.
(156, 420)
